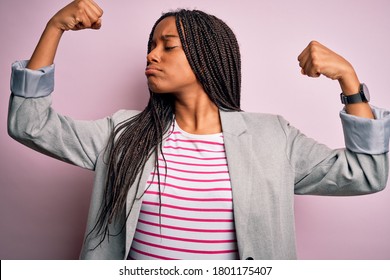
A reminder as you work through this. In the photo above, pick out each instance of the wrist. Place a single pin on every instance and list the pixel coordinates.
(54, 28)
(349, 83)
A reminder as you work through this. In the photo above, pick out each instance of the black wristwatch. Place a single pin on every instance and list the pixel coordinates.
(362, 96)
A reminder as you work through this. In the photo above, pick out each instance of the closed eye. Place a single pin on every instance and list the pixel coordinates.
(170, 48)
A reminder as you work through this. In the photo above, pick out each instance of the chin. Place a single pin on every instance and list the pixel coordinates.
(157, 90)
(153, 87)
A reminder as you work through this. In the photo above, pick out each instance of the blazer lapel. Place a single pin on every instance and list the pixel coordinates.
(238, 143)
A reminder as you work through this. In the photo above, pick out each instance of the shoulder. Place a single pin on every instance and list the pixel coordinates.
(256, 121)
(265, 128)
(123, 115)
(250, 117)
(270, 124)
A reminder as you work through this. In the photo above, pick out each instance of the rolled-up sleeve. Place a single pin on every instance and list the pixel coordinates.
(367, 136)
(29, 83)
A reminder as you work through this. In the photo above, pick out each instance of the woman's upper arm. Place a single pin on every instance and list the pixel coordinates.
(33, 122)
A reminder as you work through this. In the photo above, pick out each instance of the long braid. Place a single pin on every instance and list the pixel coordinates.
(213, 53)
(219, 67)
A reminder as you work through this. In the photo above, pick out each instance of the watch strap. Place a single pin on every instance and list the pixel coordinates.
(355, 98)
(351, 99)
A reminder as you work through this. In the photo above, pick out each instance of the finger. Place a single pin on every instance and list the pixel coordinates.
(73, 23)
(303, 54)
(306, 51)
(304, 58)
(312, 48)
(96, 8)
(93, 9)
(312, 70)
(97, 24)
(315, 75)
(317, 64)
(82, 20)
(93, 17)
(304, 61)
(94, 12)
(307, 69)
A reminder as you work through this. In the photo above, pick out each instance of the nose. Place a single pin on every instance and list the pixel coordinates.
(153, 56)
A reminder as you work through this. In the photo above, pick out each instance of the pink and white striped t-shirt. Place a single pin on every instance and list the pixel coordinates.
(196, 219)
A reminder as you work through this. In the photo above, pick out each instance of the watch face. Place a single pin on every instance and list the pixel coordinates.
(366, 93)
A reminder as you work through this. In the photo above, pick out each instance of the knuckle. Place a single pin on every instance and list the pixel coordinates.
(79, 12)
(313, 46)
(94, 18)
(315, 66)
(80, 5)
(314, 53)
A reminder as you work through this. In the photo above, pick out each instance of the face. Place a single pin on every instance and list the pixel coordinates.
(168, 70)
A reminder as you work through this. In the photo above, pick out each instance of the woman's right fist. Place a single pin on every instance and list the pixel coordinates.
(80, 14)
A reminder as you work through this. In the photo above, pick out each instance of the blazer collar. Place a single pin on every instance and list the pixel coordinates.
(232, 123)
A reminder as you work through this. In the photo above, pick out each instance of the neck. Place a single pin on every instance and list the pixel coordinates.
(197, 114)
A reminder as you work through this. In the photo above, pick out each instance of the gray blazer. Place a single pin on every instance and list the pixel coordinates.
(269, 161)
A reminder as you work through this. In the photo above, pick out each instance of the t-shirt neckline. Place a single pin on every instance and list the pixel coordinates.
(195, 136)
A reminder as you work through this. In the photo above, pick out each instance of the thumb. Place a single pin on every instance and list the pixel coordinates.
(97, 24)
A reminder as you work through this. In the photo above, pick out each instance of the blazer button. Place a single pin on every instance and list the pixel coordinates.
(249, 258)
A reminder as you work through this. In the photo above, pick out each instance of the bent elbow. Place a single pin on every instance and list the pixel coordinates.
(13, 130)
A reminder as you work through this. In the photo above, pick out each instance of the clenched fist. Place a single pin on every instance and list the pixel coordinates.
(80, 14)
(316, 59)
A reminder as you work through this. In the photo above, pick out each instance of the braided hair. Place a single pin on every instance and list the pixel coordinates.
(213, 53)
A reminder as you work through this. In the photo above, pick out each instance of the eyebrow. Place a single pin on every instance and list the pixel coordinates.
(168, 36)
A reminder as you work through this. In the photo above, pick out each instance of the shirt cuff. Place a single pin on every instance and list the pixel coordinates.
(367, 136)
(31, 83)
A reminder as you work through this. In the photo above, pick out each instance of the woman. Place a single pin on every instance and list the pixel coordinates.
(192, 176)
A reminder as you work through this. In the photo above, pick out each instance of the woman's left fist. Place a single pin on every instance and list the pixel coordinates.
(316, 59)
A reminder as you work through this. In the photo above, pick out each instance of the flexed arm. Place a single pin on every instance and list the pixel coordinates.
(31, 119)
(316, 60)
(78, 15)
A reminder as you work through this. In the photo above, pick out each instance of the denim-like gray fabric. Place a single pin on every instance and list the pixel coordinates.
(367, 136)
(31, 83)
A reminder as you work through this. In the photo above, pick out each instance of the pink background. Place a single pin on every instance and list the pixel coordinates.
(44, 202)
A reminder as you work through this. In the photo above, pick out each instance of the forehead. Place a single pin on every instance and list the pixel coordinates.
(165, 27)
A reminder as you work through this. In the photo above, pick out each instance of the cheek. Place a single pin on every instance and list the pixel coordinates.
(184, 73)
(182, 69)
(183, 76)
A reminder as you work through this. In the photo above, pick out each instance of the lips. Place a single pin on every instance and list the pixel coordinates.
(151, 70)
